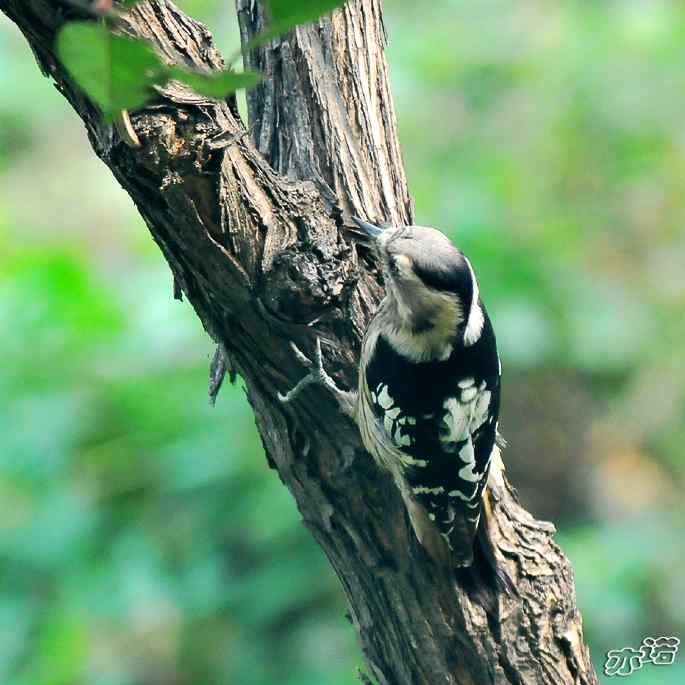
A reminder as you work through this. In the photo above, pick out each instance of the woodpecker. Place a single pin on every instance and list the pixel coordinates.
(428, 397)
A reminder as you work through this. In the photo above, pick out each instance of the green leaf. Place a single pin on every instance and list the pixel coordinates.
(286, 14)
(115, 71)
(216, 85)
(118, 72)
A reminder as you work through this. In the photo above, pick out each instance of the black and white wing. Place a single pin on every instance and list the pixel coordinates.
(442, 417)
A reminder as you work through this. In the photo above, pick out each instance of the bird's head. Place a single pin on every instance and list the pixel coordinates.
(430, 281)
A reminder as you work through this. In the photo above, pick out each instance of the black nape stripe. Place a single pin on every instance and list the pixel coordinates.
(453, 278)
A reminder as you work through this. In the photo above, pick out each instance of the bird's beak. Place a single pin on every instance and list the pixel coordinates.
(371, 230)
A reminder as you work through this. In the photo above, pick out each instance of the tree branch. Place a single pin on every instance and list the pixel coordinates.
(251, 231)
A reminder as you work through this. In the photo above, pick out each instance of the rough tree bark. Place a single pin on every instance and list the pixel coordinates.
(249, 221)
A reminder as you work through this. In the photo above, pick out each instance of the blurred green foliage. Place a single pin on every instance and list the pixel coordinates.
(143, 538)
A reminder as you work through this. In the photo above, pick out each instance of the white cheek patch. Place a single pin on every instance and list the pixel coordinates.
(476, 320)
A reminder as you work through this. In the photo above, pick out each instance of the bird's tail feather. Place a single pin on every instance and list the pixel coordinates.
(487, 577)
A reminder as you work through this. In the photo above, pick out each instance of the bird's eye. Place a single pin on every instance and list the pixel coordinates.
(394, 266)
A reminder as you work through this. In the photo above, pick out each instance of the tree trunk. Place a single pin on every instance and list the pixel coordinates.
(249, 221)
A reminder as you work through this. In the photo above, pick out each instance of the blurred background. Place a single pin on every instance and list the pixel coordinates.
(143, 539)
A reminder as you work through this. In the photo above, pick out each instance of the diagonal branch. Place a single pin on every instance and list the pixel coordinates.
(251, 231)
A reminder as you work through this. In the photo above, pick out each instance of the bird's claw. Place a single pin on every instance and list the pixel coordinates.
(317, 376)
(301, 356)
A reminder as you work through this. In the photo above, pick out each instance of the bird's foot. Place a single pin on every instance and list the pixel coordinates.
(317, 376)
